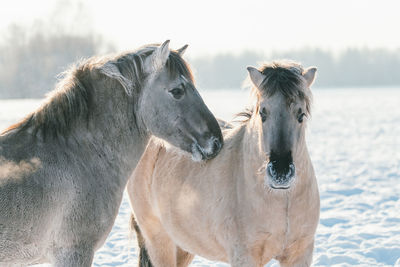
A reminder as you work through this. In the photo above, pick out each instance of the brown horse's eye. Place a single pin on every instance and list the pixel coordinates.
(263, 114)
(301, 117)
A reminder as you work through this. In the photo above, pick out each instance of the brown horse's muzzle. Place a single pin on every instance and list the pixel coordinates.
(281, 170)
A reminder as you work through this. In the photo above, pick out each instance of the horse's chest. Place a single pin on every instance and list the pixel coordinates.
(285, 233)
(267, 238)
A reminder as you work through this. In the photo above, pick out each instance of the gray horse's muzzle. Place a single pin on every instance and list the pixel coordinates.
(208, 151)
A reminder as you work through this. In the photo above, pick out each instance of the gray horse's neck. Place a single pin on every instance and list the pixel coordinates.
(114, 135)
(124, 133)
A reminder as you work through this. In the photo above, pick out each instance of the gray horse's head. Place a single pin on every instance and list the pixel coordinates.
(171, 107)
(284, 100)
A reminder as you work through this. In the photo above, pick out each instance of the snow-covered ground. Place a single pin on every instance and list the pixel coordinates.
(354, 141)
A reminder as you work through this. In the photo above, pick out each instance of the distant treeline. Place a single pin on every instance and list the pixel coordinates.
(30, 63)
(32, 57)
(350, 68)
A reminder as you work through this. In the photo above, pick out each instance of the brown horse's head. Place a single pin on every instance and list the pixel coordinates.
(284, 100)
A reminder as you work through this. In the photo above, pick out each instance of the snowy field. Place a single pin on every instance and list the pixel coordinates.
(354, 141)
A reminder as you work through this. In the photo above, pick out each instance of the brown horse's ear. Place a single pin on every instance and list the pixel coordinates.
(182, 50)
(309, 75)
(255, 76)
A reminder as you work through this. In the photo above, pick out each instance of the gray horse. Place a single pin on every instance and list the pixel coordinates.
(63, 169)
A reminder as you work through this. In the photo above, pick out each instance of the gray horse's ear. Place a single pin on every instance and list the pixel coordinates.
(110, 70)
(255, 76)
(309, 75)
(182, 50)
(160, 56)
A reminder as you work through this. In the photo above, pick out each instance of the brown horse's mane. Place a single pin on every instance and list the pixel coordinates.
(284, 77)
(72, 98)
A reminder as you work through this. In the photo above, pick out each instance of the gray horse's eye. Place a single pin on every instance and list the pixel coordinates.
(263, 114)
(177, 93)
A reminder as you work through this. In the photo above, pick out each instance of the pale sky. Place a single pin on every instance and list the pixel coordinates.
(212, 26)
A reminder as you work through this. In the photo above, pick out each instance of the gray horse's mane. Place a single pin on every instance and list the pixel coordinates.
(73, 97)
(284, 77)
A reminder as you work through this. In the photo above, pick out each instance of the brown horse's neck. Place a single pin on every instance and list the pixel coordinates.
(252, 143)
(253, 157)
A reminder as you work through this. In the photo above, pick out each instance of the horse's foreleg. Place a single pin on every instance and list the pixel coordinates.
(183, 258)
(144, 258)
(302, 260)
(158, 244)
(73, 257)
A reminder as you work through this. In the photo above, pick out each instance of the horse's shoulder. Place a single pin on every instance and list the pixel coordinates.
(150, 155)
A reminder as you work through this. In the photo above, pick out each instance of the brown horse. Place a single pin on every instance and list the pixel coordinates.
(256, 201)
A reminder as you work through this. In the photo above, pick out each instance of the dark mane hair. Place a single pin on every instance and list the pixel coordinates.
(73, 97)
(287, 78)
(131, 66)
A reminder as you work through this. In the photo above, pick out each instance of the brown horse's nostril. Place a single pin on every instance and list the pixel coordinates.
(275, 169)
(280, 177)
(271, 170)
(291, 171)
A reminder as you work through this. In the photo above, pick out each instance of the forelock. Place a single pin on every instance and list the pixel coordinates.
(177, 66)
(285, 77)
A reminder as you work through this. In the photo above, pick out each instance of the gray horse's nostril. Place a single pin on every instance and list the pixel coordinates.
(217, 145)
